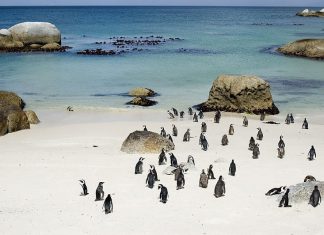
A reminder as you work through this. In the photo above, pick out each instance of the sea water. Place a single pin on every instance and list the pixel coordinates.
(216, 40)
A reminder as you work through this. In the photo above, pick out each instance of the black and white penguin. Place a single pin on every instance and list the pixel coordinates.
(224, 140)
(190, 112)
(305, 124)
(170, 115)
(275, 191)
(173, 160)
(203, 127)
(163, 193)
(99, 192)
(84, 187)
(245, 121)
(108, 205)
(163, 133)
(186, 136)
(217, 116)
(315, 198)
(195, 118)
(139, 166)
(162, 157)
(232, 168)
(174, 130)
(175, 111)
(259, 134)
(150, 179)
(231, 130)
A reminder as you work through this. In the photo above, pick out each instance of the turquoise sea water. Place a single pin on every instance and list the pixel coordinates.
(230, 40)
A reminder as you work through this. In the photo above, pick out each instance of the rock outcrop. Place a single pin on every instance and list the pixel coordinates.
(249, 94)
(310, 13)
(311, 48)
(300, 193)
(31, 36)
(146, 142)
(142, 92)
(141, 101)
(12, 116)
(32, 117)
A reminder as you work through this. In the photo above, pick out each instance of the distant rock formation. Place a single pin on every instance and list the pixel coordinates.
(141, 92)
(142, 101)
(310, 13)
(311, 48)
(31, 36)
(146, 142)
(12, 116)
(240, 94)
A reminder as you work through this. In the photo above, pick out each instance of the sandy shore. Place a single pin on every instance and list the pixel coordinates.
(40, 169)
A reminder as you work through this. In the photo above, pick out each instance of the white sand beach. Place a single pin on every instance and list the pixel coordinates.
(40, 169)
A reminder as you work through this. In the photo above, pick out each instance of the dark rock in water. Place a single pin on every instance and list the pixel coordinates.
(142, 101)
(146, 142)
(308, 13)
(248, 94)
(311, 48)
(98, 51)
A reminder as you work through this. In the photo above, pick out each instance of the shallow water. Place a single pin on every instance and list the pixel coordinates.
(217, 40)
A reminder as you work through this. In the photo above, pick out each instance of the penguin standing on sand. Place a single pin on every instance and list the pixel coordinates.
(315, 198)
(173, 160)
(170, 115)
(108, 205)
(203, 180)
(162, 157)
(150, 179)
(195, 118)
(256, 151)
(232, 168)
(217, 116)
(139, 166)
(287, 121)
(305, 124)
(204, 143)
(245, 121)
(201, 114)
(231, 130)
(180, 180)
(174, 130)
(224, 140)
(210, 172)
(163, 193)
(84, 187)
(281, 143)
(292, 120)
(311, 153)
(182, 114)
(99, 192)
(163, 133)
(186, 137)
(219, 188)
(259, 134)
(262, 116)
(169, 137)
(203, 127)
(154, 173)
(190, 111)
(175, 111)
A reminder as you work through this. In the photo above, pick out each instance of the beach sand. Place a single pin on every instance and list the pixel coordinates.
(40, 169)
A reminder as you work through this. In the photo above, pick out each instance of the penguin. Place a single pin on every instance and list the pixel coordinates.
(305, 124)
(291, 117)
(163, 133)
(315, 198)
(169, 137)
(175, 111)
(108, 205)
(177, 172)
(190, 111)
(162, 157)
(224, 140)
(219, 187)
(150, 179)
(281, 143)
(231, 130)
(186, 137)
(287, 121)
(256, 151)
(84, 187)
(203, 180)
(195, 118)
(182, 114)
(170, 115)
(259, 134)
(204, 143)
(285, 199)
(309, 178)
(99, 192)
(173, 160)
(180, 181)
(163, 193)
(251, 143)
(174, 130)
(275, 191)
(312, 153)
(201, 137)
(217, 116)
(70, 109)
(154, 173)
(281, 152)
(245, 121)
(201, 114)
(145, 129)
(139, 166)
(232, 168)
(262, 116)
(203, 127)
(210, 172)
(191, 160)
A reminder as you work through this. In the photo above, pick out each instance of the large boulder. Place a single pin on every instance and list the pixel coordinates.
(310, 13)
(141, 101)
(3, 124)
(35, 32)
(32, 117)
(300, 193)
(311, 48)
(31, 36)
(146, 142)
(17, 120)
(232, 93)
(11, 98)
(141, 91)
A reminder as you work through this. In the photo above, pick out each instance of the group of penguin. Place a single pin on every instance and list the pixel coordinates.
(219, 191)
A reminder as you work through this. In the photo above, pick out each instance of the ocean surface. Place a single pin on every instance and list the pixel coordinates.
(214, 40)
